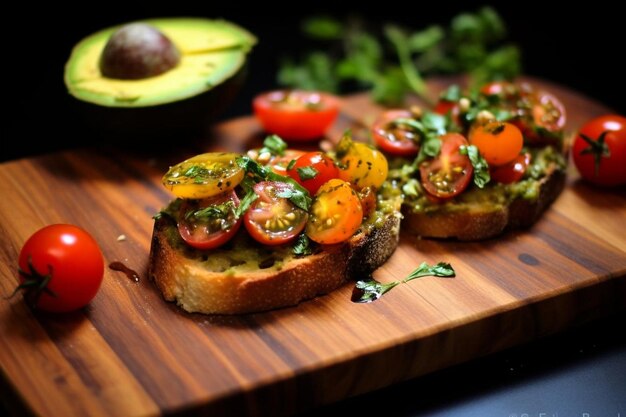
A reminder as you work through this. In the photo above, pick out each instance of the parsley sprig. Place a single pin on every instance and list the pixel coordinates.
(366, 291)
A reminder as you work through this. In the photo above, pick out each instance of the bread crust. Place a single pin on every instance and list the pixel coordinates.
(482, 222)
(193, 287)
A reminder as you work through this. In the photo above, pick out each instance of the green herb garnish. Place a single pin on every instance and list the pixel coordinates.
(247, 200)
(307, 173)
(481, 167)
(298, 195)
(366, 291)
(371, 290)
(217, 211)
(393, 62)
(274, 145)
(442, 269)
(302, 246)
(429, 127)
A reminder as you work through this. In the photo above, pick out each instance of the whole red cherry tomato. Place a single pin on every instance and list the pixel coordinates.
(60, 268)
(599, 150)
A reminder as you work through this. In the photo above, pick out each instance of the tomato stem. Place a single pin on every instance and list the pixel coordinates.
(598, 148)
(34, 285)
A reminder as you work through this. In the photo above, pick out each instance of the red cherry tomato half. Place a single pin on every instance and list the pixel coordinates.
(504, 89)
(312, 170)
(451, 108)
(274, 220)
(69, 259)
(209, 223)
(296, 115)
(367, 196)
(395, 139)
(544, 119)
(511, 172)
(279, 163)
(603, 161)
(450, 172)
(548, 112)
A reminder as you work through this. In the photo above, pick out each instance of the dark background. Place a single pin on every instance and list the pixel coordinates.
(575, 46)
(579, 371)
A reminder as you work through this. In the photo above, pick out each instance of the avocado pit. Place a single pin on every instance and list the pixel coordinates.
(137, 51)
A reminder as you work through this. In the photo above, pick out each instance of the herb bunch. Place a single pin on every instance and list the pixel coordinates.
(395, 63)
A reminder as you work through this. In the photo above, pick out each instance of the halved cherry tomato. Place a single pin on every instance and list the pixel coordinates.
(446, 107)
(548, 112)
(544, 118)
(272, 219)
(396, 139)
(209, 223)
(368, 200)
(336, 213)
(450, 172)
(205, 175)
(363, 166)
(498, 142)
(312, 170)
(503, 89)
(296, 114)
(511, 172)
(279, 163)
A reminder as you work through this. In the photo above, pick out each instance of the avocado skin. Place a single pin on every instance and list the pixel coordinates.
(170, 120)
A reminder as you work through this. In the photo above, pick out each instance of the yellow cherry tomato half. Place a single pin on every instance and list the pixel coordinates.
(203, 176)
(499, 143)
(363, 166)
(336, 213)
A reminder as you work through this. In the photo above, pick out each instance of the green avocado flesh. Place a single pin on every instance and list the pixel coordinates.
(244, 255)
(493, 196)
(211, 52)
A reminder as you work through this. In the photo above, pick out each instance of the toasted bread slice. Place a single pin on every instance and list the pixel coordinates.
(244, 276)
(482, 220)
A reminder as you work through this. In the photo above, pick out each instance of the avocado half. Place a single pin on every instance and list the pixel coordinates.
(210, 71)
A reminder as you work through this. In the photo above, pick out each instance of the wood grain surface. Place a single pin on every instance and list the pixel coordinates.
(129, 353)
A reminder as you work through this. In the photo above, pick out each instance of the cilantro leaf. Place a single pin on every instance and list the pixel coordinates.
(247, 200)
(307, 173)
(353, 55)
(302, 246)
(481, 167)
(430, 148)
(442, 269)
(426, 39)
(371, 290)
(217, 211)
(299, 196)
(434, 123)
(322, 27)
(274, 145)
(452, 93)
(368, 290)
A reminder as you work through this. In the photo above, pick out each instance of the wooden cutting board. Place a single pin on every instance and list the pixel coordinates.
(129, 353)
